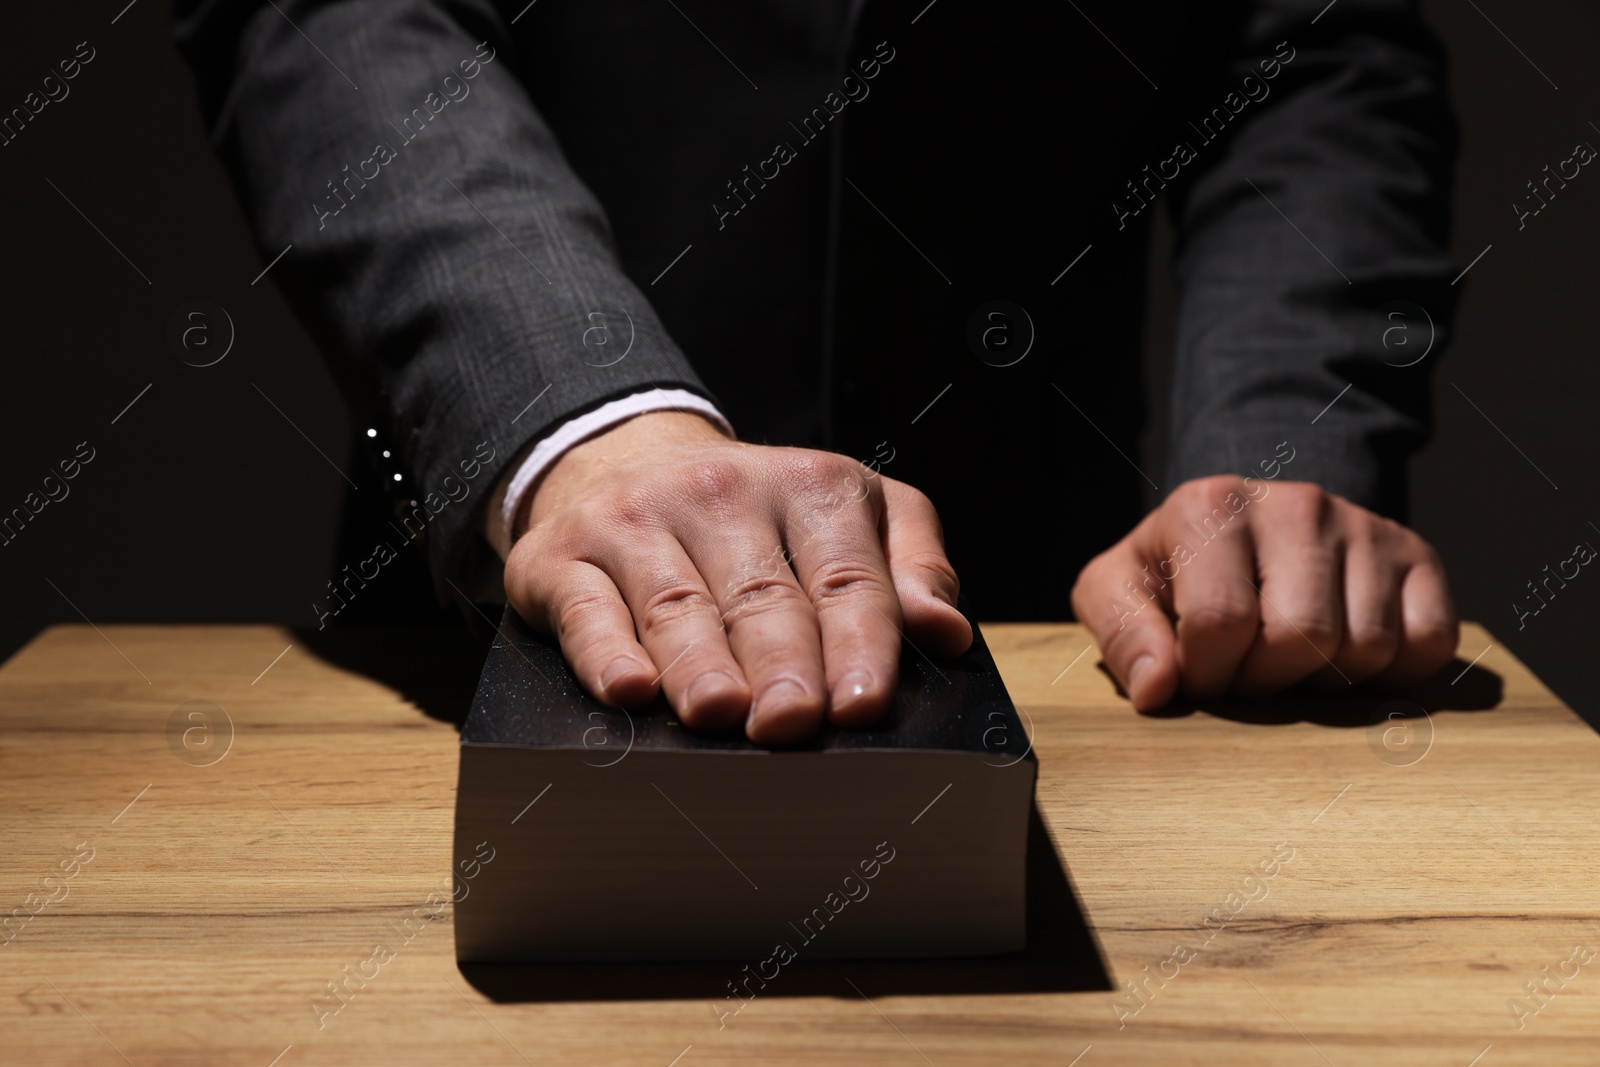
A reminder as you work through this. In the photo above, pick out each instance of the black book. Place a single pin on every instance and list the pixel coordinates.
(588, 833)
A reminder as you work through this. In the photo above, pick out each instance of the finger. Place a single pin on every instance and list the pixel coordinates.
(587, 614)
(924, 581)
(680, 625)
(841, 567)
(1133, 631)
(771, 628)
(1429, 630)
(1218, 611)
(1302, 599)
(1372, 579)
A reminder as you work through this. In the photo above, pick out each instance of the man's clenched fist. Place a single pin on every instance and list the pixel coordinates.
(758, 587)
(1243, 586)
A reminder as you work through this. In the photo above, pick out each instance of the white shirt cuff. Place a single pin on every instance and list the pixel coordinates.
(500, 515)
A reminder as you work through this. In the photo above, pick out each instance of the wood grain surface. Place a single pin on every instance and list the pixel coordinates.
(1303, 881)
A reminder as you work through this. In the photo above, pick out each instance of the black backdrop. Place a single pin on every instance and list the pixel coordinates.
(215, 496)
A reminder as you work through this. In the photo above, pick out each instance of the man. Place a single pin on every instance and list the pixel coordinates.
(571, 247)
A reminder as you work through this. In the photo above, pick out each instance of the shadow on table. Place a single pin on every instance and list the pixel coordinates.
(1455, 688)
(436, 668)
(1062, 957)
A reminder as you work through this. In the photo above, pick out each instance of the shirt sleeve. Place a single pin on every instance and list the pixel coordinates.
(499, 518)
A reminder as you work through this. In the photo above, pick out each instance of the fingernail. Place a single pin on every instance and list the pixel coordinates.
(851, 688)
(779, 693)
(618, 670)
(1140, 670)
(708, 688)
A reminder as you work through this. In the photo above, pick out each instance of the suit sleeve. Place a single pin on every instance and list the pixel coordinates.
(442, 253)
(1320, 211)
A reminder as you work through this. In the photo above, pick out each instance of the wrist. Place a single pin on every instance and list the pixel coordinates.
(639, 436)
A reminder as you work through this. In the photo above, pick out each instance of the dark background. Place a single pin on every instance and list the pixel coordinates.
(204, 503)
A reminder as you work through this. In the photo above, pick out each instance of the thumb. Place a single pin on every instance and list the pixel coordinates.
(913, 546)
(1130, 624)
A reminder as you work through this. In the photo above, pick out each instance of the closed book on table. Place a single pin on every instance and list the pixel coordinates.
(588, 833)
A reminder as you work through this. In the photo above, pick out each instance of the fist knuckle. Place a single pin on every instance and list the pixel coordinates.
(1370, 646)
(822, 473)
(631, 506)
(1373, 639)
(711, 482)
(1387, 539)
(1363, 527)
(1227, 615)
(1305, 502)
(1317, 628)
(1200, 493)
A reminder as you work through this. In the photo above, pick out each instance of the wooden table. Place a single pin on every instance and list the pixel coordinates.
(1410, 878)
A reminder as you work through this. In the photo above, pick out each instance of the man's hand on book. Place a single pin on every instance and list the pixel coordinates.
(756, 586)
(1237, 586)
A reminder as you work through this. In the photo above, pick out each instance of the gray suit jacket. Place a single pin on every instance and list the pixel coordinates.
(851, 224)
